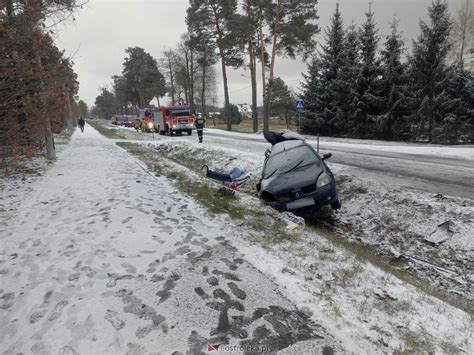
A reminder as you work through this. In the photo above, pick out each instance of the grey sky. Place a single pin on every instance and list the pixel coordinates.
(104, 28)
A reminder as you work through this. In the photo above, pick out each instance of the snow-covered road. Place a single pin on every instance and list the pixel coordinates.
(436, 169)
(105, 258)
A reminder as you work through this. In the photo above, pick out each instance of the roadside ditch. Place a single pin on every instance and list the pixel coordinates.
(451, 287)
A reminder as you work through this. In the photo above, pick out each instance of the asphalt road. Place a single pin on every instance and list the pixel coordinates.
(436, 174)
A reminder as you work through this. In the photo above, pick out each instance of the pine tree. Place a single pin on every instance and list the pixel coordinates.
(429, 69)
(322, 111)
(367, 103)
(391, 123)
(311, 121)
(457, 102)
(347, 82)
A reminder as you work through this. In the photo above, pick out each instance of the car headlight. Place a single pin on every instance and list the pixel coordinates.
(323, 180)
(174, 126)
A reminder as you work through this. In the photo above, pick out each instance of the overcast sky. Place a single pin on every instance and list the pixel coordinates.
(104, 28)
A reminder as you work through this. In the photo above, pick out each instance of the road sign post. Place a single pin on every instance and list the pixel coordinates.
(299, 107)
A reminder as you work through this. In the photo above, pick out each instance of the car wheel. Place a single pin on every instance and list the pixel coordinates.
(190, 132)
(336, 205)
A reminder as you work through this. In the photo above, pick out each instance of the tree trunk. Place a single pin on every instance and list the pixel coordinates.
(49, 139)
(464, 28)
(227, 117)
(50, 151)
(191, 81)
(254, 84)
(9, 9)
(171, 80)
(272, 66)
(226, 91)
(203, 90)
(69, 123)
(262, 61)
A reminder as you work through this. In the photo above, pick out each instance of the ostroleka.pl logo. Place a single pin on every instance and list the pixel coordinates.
(237, 348)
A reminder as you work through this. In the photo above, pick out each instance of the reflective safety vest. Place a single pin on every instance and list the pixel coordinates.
(200, 121)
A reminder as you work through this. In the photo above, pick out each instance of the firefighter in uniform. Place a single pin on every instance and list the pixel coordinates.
(199, 122)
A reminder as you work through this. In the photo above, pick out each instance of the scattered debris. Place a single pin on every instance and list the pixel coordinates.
(224, 191)
(292, 221)
(442, 233)
(384, 294)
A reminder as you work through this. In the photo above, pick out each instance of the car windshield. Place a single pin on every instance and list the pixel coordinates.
(180, 112)
(289, 160)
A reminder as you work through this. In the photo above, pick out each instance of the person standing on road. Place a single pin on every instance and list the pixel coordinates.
(199, 122)
(81, 124)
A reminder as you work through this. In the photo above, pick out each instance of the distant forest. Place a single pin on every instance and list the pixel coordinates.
(358, 87)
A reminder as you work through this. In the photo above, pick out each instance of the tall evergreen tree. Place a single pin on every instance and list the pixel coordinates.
(429, 68)
(143, 80)
(324, 75)
(367, 103)
(346, 84)
(457, 108)
(311, 121)
(391, 125)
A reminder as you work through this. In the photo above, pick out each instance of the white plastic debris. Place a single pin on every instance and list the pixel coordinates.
(442, 233)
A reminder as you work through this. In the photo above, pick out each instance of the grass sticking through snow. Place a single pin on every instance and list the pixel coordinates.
(106, 132)
(203, 193)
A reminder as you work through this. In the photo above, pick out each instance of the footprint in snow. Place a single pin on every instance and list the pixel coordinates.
(67, 350)
(36, 316)
(114, 319)
(7, 300)
(57, 310)
(143, 331)
(74, 277)
(88, 271)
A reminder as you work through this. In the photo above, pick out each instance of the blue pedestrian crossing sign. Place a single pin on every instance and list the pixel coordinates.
(299, 104)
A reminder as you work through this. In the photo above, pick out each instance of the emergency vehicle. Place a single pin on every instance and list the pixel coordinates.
(147, 123)
(123, 120)
(174, 119)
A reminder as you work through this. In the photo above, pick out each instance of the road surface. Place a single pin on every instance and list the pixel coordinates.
(435, 174)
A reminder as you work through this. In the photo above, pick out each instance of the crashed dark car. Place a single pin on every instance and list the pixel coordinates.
(295, 178)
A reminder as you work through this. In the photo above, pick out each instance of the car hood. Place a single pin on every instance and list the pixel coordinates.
(293, 180)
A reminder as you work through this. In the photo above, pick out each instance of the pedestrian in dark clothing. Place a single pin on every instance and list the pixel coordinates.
(199, 122)
(81, 124)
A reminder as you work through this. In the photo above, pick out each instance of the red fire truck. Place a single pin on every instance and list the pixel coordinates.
(174, 119)
(123, 120)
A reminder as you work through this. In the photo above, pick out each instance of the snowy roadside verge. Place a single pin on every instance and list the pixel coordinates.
(371, 309)
(393, 222)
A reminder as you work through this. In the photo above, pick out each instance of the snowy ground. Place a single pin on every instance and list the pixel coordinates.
(396, 221)
(100, 256)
